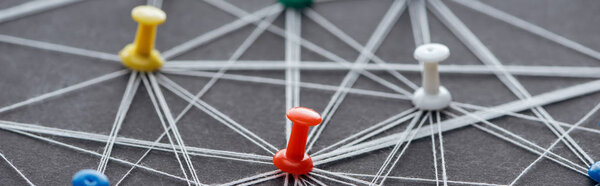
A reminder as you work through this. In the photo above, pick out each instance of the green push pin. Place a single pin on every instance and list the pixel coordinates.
(296, 3)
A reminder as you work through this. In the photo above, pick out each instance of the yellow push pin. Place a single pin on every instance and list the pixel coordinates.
(141, 55)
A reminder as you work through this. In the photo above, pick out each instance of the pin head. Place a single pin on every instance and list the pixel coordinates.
(89, 177)
(594, 171)
(148, 15)
(304, 116)
(433, 52)
(296, 3)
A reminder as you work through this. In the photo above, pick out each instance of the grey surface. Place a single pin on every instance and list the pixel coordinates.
(471, 154)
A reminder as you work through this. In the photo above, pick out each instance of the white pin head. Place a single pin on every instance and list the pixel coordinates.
(432, 53)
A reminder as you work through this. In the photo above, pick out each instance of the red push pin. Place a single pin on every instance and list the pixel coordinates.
(293, 159)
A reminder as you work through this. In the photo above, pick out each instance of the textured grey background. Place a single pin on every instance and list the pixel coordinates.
(471, 154)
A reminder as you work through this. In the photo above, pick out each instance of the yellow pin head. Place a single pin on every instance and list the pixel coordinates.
(141, 55)
(148, 15)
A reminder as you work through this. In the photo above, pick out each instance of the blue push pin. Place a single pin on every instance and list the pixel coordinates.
(594, 171)
(89, 177)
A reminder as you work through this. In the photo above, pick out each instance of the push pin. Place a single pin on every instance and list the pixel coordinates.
(141, 55)
(431, 96)
(89, 177)
(299, 4)
(293, 159)
(594, 171)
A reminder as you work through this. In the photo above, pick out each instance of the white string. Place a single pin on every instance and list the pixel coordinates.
(17, 170)
(274, 81)
(448, 181)
(433, 150)
(315, 180)
(443, 165)
(213, 112)
(518, 105)
(340, 176)
(330, 178)
(129, 92)
(65, 90)
(573, 166)
(155, 3)
(400, 140)
(306, 182)
(221, 31)
(421, 179)
(241, 49)
(234, 57)
(558, 131)
(32, 7)
(577, 168)
(162, 122)
(457, 27)
(380, 130)
(483, 53)
(403, 149)
(583, 119)
(334, 30)
(228, 7)
(372, 45)
(381, 126)
(418, 20)
(569, 142)
(534, 29)
(128, 95)
(95, 153)
(167, 112)
(292, 57)
(105, 57)
(523, 116)
(264, 179)
(217, 115)
(246, 157)
(267, 65)
(250, 178)
(352, 151)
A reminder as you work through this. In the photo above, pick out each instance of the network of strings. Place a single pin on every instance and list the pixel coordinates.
(420, 124)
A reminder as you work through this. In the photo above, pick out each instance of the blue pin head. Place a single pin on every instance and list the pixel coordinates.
(594, 171)
(89, 177)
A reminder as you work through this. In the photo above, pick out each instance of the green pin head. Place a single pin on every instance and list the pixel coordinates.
(296, 3)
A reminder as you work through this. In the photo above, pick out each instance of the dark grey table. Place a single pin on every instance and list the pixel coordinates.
(35, 60)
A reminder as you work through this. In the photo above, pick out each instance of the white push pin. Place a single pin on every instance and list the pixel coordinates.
(431, 96)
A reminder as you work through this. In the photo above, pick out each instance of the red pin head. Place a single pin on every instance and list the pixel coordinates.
(293, 159)
(304, 116)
